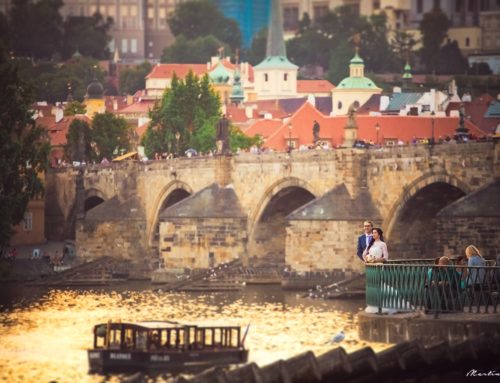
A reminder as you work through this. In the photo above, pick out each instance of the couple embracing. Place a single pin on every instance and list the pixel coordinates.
(371, 245)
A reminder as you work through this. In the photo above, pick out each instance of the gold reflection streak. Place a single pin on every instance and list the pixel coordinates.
(48, 340)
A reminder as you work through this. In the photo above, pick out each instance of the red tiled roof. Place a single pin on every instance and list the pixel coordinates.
(475, 112)
(109, 102)
(265, 128)
(332, 128)
(237, 114)
(143, 106)
(57, 130)
(314, 86)
(181, 70)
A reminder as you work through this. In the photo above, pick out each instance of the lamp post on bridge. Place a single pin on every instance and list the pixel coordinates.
(432, 128)
(289, 138)
(377, 129)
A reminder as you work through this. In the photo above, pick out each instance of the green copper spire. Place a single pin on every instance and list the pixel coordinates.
(237, 94)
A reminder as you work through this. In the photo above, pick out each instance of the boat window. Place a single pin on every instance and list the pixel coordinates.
(235, 337)
(115, 335)
(141, 340)
(209, 337)
(128, 339)
(217, 337)
(154, 340)
(100, 337)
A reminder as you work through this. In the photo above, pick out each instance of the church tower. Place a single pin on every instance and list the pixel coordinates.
(275, 76)
(94, 99)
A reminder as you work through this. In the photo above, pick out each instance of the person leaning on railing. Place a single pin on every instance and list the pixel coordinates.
(474, 258)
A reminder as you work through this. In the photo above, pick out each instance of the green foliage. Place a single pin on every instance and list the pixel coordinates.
(450, 60)
(51, 81)
(339, 62)
(402, 43)
(36, 28)
(434, 28)
(239, 140)
(134, 78)
(72, 141)
(24, 149)
(326, 42)
(198, 50)
(74, 107)
(109, 133)
(200, 18)
(88, 35)
(184, 109)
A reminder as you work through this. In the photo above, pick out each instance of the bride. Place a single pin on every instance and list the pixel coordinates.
(377, 249)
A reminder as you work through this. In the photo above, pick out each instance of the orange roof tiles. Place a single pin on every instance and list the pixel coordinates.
(404, 128)
(314, 86)
(181, 70)
(143, 106)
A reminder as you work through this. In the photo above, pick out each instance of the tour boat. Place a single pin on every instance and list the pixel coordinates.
(164, 346)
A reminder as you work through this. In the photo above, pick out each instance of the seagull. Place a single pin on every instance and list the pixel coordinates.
(337, 338)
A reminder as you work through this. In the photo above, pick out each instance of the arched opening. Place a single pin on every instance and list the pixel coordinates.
(267, 244)
(92, 202)
(174, 197)
(412, 234)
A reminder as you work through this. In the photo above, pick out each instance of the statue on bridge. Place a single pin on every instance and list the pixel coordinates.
(316, 129)
(222, 135)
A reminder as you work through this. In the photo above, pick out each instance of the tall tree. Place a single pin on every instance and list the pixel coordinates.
(182, 111)
(71, 149)
(198, 50)
(257, 51)
(36, 28)
(24, 149)
(199, 18)
(434, 28)
(109, 133)
(134, 78)
(88, 35)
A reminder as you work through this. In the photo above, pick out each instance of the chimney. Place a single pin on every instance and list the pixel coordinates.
(115, 104)
(396, 89)
(311, 100)
(59, 114)
(384, 102)
(248, 111)
(433, 103)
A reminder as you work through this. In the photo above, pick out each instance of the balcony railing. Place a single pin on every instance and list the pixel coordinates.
(403, 287)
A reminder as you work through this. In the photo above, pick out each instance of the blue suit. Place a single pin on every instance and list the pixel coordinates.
(362, 245)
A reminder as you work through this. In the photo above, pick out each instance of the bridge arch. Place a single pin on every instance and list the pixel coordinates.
(172, 193)
(410, 222)
(268, 217)
(93, 197)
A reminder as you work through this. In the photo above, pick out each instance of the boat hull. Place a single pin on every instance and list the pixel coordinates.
(105, 360)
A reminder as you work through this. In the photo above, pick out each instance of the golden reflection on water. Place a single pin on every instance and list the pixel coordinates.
(46, 340)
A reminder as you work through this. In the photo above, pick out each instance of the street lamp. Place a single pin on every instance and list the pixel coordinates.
(377, 129)
(432, 128)
(289, 138)
(177, 137)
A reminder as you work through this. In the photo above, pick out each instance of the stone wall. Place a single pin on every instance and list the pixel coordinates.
(454, 234)
(323, 245)
(200, 243)
(121, 239)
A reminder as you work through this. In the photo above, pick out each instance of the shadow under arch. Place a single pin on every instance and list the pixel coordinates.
(93, 197)
(268, 217)
(172, 193)
(411, 221)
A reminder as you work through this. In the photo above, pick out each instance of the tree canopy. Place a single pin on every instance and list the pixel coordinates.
(434, 28)
(24, 149)
(195, 51)
(200, 18)
(35, 29)
(134, 78)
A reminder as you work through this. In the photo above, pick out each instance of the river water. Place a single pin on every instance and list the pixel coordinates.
(45, 332)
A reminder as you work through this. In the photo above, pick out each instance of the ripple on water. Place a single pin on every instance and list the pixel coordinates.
(45, 340)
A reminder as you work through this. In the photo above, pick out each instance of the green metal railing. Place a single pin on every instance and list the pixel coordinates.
(435, 289)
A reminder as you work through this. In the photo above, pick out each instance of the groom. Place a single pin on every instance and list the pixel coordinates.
(364, 240)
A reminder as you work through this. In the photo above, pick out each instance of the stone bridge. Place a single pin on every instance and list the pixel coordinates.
(304, 209)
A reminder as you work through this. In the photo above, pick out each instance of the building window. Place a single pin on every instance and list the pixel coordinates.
(471, 5)
(285, 77)
(28, 221)
(458, 6)
(376, 4)
(467, 42)
(339, 105)
(124, 45)
(111, 45)
(133, 45)
(319, 11)
(290, 18)
(420, 6)
(485, 5)
(437, 4)
(266, 77)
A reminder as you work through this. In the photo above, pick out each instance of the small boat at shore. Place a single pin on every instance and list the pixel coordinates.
(164, 346)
